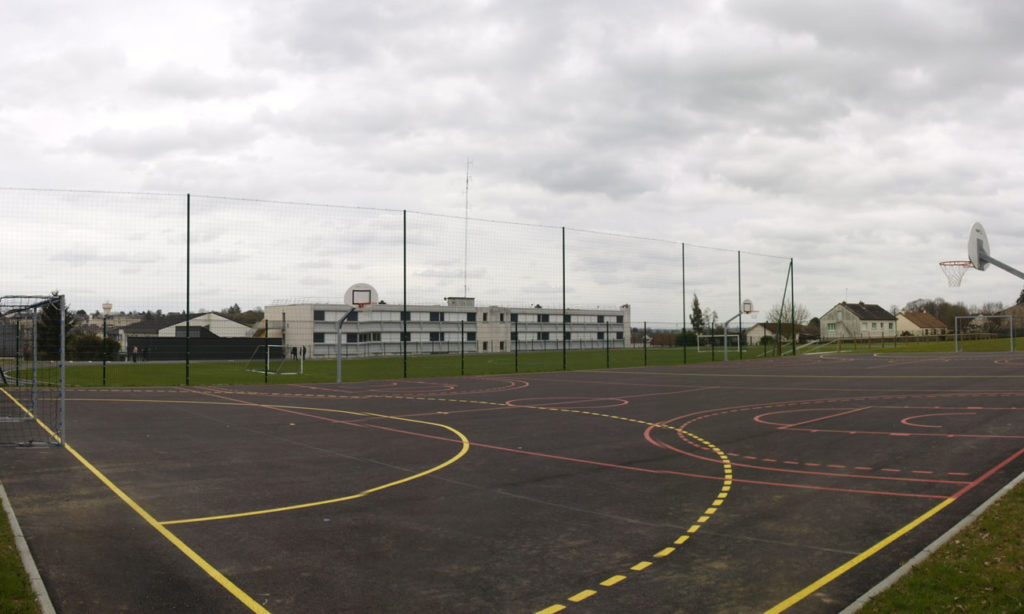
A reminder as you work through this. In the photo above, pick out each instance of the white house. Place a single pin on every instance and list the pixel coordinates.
(920, 324)
(857, 321)
(458, 325)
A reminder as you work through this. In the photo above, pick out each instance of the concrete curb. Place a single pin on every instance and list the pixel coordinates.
(931, 548)
(26, 557)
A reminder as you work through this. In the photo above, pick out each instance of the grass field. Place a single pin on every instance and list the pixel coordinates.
(980, 570)
(357, 370)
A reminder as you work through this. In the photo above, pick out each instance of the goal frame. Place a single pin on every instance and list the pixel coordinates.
(262, 354)
(956, 327)
(33, 393)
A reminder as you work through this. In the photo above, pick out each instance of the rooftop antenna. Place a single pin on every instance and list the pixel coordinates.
(465, 238)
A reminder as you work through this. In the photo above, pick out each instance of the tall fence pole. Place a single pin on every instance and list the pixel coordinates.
(683, 269)
(565, 360)
(188, 287)
(405, 303)
(739, 298)
(792, 302)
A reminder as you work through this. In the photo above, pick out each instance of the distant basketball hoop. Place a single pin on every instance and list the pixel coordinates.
(955, 271)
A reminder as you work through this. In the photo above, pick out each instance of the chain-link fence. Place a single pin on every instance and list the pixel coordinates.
(199, 279)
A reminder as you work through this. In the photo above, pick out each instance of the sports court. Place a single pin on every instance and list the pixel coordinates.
(726, 487)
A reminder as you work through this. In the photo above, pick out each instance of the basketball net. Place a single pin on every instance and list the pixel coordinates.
(955, 270)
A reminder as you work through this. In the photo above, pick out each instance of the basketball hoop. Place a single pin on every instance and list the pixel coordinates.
(955, 270)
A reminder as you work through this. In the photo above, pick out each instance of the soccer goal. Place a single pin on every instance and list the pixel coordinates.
(272, 358)
(704, 342)
(33, 405)
(985, 328)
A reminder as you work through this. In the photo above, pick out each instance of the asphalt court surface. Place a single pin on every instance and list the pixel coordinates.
(787, 484)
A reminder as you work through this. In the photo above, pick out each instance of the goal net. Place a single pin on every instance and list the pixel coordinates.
(32, 390)
(273, 358)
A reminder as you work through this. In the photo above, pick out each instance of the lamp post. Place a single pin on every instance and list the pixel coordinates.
(103, 346)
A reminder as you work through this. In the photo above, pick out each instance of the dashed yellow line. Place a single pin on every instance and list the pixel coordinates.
(668, 550)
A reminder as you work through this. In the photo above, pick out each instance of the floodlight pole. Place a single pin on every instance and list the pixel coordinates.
(337, 342)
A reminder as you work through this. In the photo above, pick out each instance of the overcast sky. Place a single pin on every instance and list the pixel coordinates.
(861, 139)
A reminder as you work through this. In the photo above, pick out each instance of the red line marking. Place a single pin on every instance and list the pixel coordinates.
(989, 473)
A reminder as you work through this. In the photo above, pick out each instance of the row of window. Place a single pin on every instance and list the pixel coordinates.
(831, 326)
(439, 336)
(320, 315)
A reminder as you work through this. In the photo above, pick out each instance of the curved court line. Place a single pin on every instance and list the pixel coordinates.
(462, 452)
(908, 419)
(210, 570)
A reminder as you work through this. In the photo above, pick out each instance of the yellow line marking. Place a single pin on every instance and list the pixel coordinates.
(612, 581)
(664, 552)
(681, 539)
(710, 510)
(580, 596)
(693, 528)
(642, 565)
(462, 452)
(551, 609)
(860, 558)
(169, 536)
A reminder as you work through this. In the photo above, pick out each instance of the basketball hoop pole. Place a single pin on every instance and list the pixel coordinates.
(985, 258)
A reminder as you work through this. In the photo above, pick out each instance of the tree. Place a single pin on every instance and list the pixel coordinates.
(697, 316)
(49, 329)
(785, 314)
(1020, 299)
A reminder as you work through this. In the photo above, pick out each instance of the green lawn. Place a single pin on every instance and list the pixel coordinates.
(16, 596)
(356, 370)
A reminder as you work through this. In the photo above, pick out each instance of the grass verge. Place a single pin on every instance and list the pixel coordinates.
(16, 595)
(981, 569)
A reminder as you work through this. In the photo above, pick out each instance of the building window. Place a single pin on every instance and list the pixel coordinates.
(485, 316)
(437, 336)
(515, 336)
(600, 319)
(618, 319)
(874, 325)
(863, 325)
(318, 315)
(471, 316)
(501, 317)
(831, 327)
(543, 336)
(470, 336)
(543, 317)
(369, 336)
(405, 316)
(568, 336)
(600, 336)
(890, 325)
(501, 346)
(318, 337)
(437, 316)
(406, 336)
(568, 318)
(513, 317)
(351, 337)
(485, 346)
(353, 317)
(618, 335)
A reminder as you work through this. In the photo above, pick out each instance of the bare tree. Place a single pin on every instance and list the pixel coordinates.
(785, 314)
